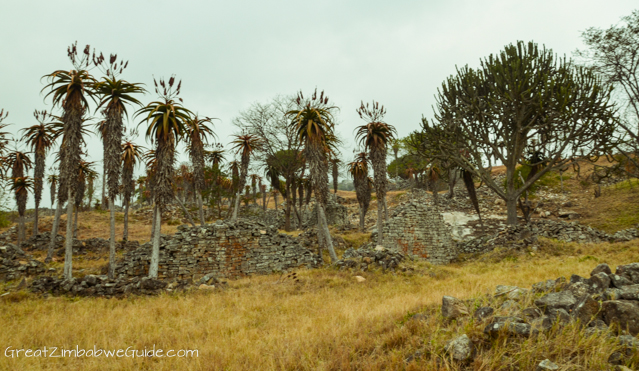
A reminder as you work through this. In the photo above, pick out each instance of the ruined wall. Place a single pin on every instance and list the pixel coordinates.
(418, 229)
(224, 249)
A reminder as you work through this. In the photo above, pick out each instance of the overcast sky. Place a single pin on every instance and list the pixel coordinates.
(231, 54)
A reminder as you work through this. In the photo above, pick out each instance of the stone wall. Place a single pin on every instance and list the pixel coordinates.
(418, 229)
(224, 250)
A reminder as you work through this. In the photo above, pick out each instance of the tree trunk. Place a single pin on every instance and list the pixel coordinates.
(264, 200)
(75, 222)
(125, 234)
(385, 209)
(112, 240)
(299, 217)
(103, 199)
(155, 252)
(275, 197)
(287, 216)
(54, 232)
(323, 225)
(511, 209)
(237, 205)
(188, 215)
(35, 221)
(320, 236)
(362, 217)
(201, 206)
(21, 233)
(380, 218)
(68, 251)
(155, 211)
(452, 180)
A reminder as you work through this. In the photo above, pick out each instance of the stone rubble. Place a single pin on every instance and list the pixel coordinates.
(599, 306)
(15, 264)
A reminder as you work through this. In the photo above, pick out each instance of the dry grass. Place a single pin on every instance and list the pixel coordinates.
(327, 321)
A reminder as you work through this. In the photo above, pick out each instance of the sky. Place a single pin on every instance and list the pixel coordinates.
(230, 54)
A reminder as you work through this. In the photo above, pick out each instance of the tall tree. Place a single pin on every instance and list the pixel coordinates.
(40, 138)
(20, 187)
(613, 53)
(335, 162)
(131, 156)
(358, 169)
(19, 164)
(314, 123)
(166, 120)
(197, 133)
(52, 179)
(85, 172)
(521, 101)
(70, 90)
(115, 94)
(375, 136)
(244, 145)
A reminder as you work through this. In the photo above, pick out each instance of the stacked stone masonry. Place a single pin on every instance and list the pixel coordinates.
(224, 250)
(418, 229)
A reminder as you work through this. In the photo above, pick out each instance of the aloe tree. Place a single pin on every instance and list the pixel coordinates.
(358, 169)
(166, 120)
(375, 135)
(19, 163)
(3, 140)
(70, 90)
(197, 133)
(314, 123)
(244, 145)
(335, 163)
(52, 180)
(40, 138)
(20, 187)
(131, 156)
(85, 172)
(115, 94)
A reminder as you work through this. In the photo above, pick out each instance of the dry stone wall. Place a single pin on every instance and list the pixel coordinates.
(418, 229)
(224, 250)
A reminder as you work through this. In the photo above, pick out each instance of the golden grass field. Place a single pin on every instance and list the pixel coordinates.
(326, 321)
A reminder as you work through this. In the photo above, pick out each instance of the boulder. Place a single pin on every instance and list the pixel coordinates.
(599, 282)
(511, 292)
(601, 268)
(461, 348)
(483, 313)
(619, 281)
(629, 271)
(453, 308)
(556, 300)
(623, 313)
(586, 310)
(547, 365)
(630, 292)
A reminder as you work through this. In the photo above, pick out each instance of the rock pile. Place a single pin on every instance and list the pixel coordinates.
(523, 236)
(605, 300)
(368, 256)
(419, 229)
(224, 249)
(93, 285)
(15, 264)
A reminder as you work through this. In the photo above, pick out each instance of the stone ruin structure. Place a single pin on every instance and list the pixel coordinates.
(223, 250)
(418, 229)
